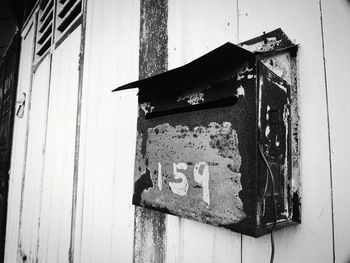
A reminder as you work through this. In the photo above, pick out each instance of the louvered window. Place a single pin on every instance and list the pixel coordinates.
(44, 38)
(68, 12)
(55, 19)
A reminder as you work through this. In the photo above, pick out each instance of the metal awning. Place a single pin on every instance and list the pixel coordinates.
(221, 57)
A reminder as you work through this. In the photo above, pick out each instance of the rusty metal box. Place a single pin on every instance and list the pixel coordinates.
(207, 134)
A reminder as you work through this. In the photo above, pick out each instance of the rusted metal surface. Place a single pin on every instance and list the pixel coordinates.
(8, 87)
(273, 41)
(278, 53)
(198, 139)
(274, 127)
(179, 161)
(153, 59)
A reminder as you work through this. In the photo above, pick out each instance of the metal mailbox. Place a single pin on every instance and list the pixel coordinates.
(207, 135)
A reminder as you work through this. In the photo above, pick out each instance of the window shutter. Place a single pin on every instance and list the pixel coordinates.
(44, 34)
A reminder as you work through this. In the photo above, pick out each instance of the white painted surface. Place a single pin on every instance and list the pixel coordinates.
(32, 186)
(336, 22)
(55, 216)
(19, 145)
(108, 134)
(196, 27)
(181, 187)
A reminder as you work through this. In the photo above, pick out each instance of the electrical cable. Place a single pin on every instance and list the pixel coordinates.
(272, 199)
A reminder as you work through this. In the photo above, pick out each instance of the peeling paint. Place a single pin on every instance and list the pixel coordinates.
(193, 99)
(280, 65)
(146, 107)
(240, 91)
(284, 64)
(245, 72)
(263, 46)
(200, 170)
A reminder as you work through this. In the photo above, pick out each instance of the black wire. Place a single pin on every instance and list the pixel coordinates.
(273, 202)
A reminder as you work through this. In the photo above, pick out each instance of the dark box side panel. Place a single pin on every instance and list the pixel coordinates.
(275, 141)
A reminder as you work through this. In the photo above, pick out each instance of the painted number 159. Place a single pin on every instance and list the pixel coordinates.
(181, 186)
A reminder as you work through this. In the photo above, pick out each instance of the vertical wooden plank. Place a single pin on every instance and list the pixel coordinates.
(19, 145)
(104, 220)
(195, 28)
(149, 231)
(31, 197)
(55, 217)
(312, 240)
(336, 20)
(123, 210)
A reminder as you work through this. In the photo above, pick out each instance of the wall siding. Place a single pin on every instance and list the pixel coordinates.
(19, 145)
(104, 217)
(57, 189)
(335, 21)
(33, 179)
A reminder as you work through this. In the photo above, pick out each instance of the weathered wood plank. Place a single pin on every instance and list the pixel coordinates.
(104, 215)
(55, 217)
(194, 28)
(153, 59)
(335, 21)
(19, 145)
(313, 238)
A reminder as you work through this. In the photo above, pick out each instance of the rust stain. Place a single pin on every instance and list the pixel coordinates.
(200, 172)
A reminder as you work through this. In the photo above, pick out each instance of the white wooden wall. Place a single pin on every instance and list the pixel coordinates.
(108, 128)
(19, 145)
(104, 221)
